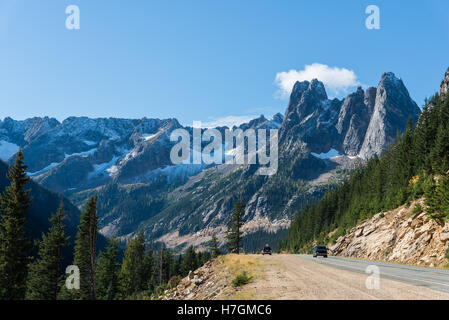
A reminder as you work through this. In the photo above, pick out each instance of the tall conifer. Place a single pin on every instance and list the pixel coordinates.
(45, 273)
(14, 244)
(85, 250)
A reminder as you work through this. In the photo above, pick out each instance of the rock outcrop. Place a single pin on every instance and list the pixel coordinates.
(397, 236)
(444, 88)
(209, 282)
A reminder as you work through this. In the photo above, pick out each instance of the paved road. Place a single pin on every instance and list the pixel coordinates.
(432, 278)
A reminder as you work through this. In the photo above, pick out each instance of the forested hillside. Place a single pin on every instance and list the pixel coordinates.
(44, 204)
(416, 165)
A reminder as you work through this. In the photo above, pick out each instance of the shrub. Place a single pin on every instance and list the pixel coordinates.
(417, 210)
(241, 279)
(174, 281)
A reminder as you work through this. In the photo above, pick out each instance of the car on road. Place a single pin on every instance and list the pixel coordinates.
(319, 251)
(267, 250)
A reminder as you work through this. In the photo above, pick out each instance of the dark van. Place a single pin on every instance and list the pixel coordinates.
(320, 251)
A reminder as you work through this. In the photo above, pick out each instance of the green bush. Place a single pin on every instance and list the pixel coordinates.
(417, 210)
(174, 281)
(241, 279)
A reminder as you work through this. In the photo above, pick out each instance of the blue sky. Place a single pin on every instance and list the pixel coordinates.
(204, 59)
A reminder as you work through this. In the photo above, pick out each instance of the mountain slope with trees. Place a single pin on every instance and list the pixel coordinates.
(415, 166)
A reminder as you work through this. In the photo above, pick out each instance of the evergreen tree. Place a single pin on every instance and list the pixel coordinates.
(189, 261)
(234, 235)
(214, 249)
(85, 250)
(440, 151)
(108, 272)
(159, 267)
(168, 265)
(149, 265)
(132, 275)
(46, 273)
(14, 245)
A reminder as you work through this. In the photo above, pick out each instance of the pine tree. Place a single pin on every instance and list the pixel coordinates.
(440, 152)
(132, 275)
(85, 250)
(14, 244)
(234, 233)
(159, 267)
(45, 273)
(149, 263)
(213, 248)
(189, 261)
(108, 272)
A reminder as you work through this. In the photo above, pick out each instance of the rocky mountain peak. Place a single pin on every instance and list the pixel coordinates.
(307, 100)
(392, 109)
(278, 117)
(363, 124)
(444, 88)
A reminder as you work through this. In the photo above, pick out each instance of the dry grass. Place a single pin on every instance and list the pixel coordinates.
(237, 264)
(233, 265)
(242, 295)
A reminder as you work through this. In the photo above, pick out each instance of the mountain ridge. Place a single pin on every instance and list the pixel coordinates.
(127, 162)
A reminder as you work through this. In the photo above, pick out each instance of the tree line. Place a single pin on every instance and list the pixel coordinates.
(415, 166)
(142, 272)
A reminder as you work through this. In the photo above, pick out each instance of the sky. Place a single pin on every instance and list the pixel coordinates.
(208, 60)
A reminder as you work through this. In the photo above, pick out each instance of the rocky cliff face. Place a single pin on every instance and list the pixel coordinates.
(397, 236)
(392, 109)
(362, 125)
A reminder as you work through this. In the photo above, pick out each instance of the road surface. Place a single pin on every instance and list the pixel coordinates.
(432, 278)
(301, 277)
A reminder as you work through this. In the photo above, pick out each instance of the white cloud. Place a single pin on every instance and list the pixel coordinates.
(337, 81)
(228, 121)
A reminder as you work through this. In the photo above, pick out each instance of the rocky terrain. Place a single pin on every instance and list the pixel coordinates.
(405, 235)
(205, 283)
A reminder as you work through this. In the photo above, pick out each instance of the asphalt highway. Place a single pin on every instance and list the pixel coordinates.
(432, 278)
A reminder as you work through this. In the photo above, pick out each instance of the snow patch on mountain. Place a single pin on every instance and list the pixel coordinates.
(83, 154)
(47, 168)
(103, 169)
(148, 137)
(332, 153)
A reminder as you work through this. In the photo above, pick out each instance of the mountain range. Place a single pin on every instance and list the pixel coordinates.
(127, 163)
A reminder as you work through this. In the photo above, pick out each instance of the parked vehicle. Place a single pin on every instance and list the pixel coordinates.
(320, 251)
(267, 250)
